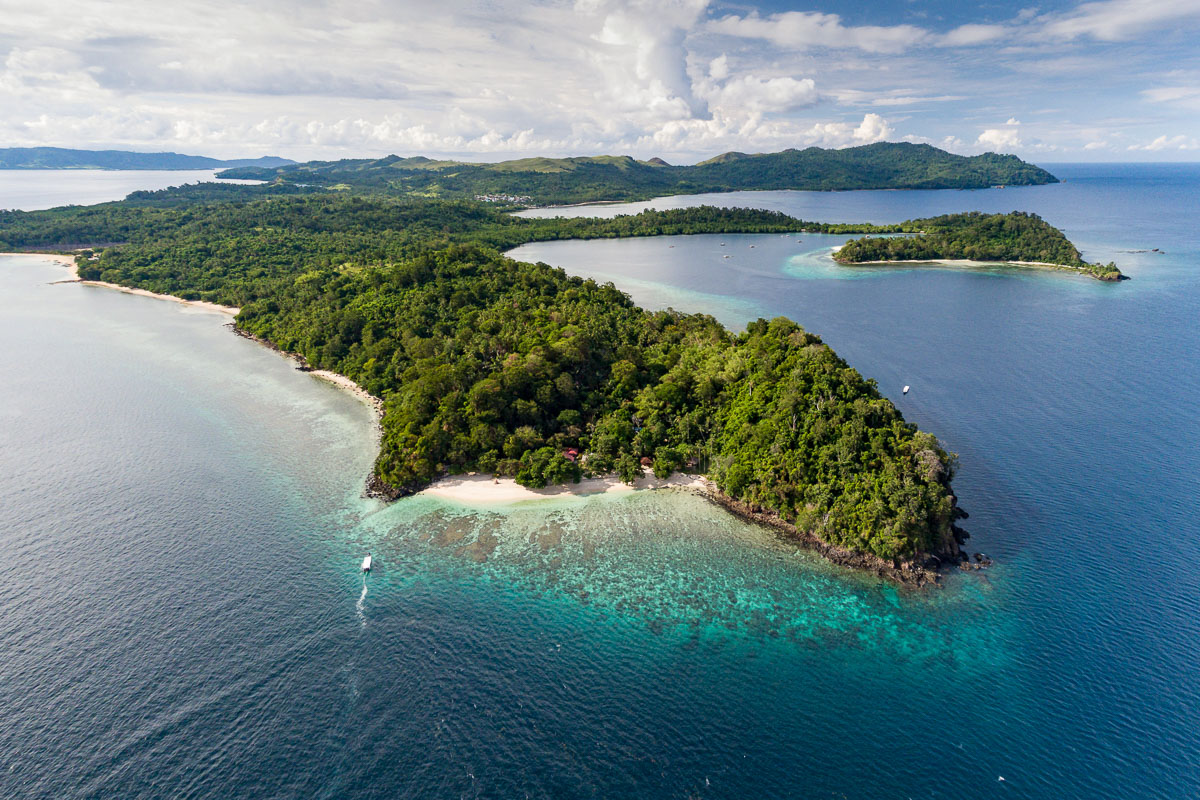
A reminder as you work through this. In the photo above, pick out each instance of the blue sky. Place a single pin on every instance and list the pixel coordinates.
(1112, 80)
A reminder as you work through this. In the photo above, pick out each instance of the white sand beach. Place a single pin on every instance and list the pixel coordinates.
(69, 262)
(342, 382)
(484, 490)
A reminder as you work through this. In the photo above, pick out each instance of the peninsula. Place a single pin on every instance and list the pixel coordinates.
(485, 364)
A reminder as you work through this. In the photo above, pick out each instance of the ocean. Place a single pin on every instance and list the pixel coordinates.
(181, 612)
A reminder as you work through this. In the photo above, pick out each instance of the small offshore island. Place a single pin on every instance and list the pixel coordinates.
(489, 365)
(1017, 238)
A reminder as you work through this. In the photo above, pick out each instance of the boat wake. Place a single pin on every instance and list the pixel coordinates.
(358, 607)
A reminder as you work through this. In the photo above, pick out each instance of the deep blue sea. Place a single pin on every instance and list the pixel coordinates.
(182, 522)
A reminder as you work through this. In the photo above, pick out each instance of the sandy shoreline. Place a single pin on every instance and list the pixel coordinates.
(203, 305)
(341, 381)
(66, 261)
(344, 383)
(952, 262)
(484, 490)
(963, 262)
(69, 263)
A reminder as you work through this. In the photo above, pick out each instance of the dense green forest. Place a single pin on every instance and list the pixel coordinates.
(1017, 236)
(546, 181)
(239, 249)
(484, 363)
(492, 365)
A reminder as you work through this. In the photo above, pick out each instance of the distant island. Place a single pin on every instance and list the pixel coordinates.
(486, 364)
(1016, 238)
(61, 158)
(556, 181)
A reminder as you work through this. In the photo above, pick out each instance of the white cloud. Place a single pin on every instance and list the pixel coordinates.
(329, 78)
(1181, 96)
(1113, 20)
(874, 128)
(1000, 139)
(1178, 142)
(801, 30)
(718, 68)
(973, 34)
(755, 94)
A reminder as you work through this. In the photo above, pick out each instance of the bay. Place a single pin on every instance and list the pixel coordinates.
(181, 610)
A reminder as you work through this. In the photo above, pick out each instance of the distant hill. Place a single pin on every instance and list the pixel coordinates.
(62, 158)
(546, 181)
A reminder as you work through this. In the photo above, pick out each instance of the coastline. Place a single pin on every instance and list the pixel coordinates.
(65, 260)
(341, 381)
(486, 490)
(968, 263)
(69, 262)
(338, 380)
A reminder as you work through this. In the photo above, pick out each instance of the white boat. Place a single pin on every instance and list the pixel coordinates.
(906, 390)
(366, 565)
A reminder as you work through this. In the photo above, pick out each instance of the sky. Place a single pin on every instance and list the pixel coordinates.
(1112, 80)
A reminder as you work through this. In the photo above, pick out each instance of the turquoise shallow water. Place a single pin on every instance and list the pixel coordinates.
(183, 522)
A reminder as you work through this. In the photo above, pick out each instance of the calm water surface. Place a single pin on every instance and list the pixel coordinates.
(182, 522)
(33, 189)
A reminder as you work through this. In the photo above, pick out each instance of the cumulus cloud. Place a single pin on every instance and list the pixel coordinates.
(755, 94)
(1001, 139)
(874, 128)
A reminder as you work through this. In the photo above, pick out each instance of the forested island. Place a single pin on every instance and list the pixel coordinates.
(554, 181)
(487, 364)
(65, 158)
(1017, 237)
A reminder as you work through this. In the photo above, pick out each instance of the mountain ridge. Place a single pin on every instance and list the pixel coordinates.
(542, 180)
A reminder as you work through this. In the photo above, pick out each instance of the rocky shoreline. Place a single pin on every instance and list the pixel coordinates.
(908, 574)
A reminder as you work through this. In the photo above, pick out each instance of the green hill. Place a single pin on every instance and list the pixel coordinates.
(548, 181)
